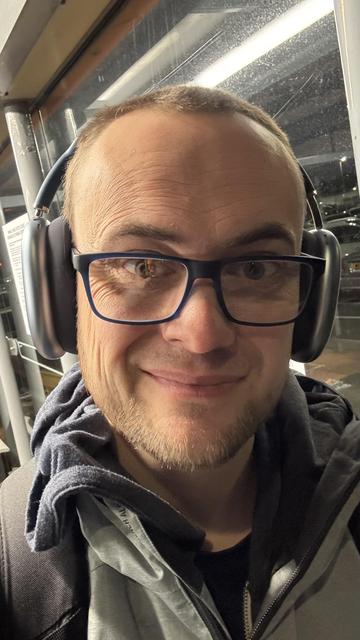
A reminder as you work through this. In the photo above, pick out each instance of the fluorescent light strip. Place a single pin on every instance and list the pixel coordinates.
(290, 23)
(184, 36)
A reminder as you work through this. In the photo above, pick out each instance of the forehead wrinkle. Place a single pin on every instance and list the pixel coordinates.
(124, 199)
(149, 143)
(107, 195)
(146, 182)
(143, 187)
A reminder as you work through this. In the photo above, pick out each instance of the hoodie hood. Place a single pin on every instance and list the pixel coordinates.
(72, 444)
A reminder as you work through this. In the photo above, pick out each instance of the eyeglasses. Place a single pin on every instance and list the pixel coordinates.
(146, 288)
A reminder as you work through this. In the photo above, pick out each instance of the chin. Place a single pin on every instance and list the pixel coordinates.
(185, 443)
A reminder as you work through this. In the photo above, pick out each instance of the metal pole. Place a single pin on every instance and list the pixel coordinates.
(6, 423)
(29, 169)
(347, 18)
(25, 152)
(11, 393)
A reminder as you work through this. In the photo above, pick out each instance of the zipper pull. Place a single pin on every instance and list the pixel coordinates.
(247, 612)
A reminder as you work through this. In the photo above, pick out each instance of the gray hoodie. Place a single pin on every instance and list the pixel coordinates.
(304, 577)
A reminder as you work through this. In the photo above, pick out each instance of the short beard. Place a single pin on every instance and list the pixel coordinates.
(188, 450)
(175, 443)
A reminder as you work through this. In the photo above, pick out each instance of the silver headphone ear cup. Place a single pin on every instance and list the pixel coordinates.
(312, 329)
(36, 289)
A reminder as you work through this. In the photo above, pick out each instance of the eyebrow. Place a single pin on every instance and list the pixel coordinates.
(271, 231)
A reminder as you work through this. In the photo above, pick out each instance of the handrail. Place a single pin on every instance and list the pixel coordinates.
(15, 350)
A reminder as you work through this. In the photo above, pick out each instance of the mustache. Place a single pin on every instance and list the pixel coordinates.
(182, 360)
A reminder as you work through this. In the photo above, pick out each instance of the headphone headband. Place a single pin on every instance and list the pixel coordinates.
(54, 178)
(52, 181)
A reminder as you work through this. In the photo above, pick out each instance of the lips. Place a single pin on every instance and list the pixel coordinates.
(179, 377)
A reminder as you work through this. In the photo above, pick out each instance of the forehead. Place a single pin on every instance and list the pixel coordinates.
(175, 168)
(185, 138)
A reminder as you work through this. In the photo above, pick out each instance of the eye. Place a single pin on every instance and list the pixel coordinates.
(142, 268)
(255, 270)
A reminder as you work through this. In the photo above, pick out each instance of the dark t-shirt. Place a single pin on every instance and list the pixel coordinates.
(226, 573)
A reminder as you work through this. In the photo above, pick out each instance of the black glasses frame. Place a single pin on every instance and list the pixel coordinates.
(210, 269)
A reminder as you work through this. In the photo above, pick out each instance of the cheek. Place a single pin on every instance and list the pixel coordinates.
(102, 346)
(271, 350)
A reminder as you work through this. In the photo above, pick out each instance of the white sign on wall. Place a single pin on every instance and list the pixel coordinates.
(13, 235)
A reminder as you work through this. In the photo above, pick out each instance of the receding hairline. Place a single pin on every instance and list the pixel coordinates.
(243, 123)
(181, 99)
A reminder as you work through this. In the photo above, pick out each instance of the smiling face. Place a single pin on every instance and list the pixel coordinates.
(189, 392)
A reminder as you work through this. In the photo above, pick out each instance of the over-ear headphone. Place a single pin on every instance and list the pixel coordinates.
(50, 286)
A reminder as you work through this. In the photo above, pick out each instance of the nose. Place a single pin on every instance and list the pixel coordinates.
(201, 326)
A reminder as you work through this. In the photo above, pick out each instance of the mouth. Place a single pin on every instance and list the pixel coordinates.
(184, 384)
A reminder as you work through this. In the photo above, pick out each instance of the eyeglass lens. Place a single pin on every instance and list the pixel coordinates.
(151, 289)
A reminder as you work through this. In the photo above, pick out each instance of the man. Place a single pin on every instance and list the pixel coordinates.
(213, 489)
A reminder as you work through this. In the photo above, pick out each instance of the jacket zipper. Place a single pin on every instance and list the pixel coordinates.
(267, 614)
(297, 574)
(210, 620)
(252, 632)
(207, 616)
(247, 617)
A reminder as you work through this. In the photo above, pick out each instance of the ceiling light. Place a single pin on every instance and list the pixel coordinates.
(278, 31)
(162, 56)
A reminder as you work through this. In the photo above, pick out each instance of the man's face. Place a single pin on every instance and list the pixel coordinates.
(191, 391)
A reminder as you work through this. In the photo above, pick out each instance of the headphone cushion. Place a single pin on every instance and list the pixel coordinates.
(62, 283)
(313, 328)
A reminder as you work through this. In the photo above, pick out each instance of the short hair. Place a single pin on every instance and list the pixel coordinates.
(181, 99)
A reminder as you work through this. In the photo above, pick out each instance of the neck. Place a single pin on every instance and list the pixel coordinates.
(220, 500)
